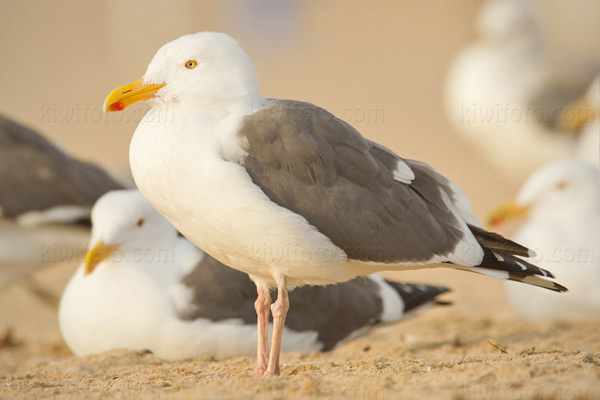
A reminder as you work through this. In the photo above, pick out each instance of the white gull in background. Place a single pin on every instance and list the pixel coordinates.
(145, 288)
(288, 193)
(561, 202)
(507, 91)
(45, 201)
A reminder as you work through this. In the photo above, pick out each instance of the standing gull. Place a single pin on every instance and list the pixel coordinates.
(143, 287)
(45, 197)
(288, 193)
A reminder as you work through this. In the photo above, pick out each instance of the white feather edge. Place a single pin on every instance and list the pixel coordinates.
(393, 305)
(403, 173)
(65, 214)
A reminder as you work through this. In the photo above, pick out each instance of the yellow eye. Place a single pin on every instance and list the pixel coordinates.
(191, 64)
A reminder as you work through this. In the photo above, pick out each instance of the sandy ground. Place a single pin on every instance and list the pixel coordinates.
(378, 66)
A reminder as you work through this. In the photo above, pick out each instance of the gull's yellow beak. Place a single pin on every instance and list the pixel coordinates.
(96, 255)
(126, 95)
(506, 211)
(576, 115)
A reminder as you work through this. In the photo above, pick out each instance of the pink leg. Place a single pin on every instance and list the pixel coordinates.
(261, 305)
(279, 310)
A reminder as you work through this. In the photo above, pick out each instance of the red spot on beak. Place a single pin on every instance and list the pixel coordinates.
(117, 106)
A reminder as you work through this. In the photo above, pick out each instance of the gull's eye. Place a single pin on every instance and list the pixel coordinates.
(562, 185)
(191, 64)
(140, 222)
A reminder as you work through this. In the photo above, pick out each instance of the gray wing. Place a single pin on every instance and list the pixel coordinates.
(35, 175)
(314, 164)
(356, 193)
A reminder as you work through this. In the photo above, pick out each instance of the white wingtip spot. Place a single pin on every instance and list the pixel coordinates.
(498, 257)
(408, 288)
(491, 272)
(531, 253)
(403, 173)
(523, 266)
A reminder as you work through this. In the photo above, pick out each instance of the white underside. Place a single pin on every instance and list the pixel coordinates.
(23, 250)
(60, 215)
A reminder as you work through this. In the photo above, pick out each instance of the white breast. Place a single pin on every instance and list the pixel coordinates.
(179, 166)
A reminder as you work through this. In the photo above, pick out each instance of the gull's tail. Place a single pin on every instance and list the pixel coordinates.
(501, 260)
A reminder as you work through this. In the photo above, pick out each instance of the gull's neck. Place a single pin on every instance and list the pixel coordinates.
(221, 108)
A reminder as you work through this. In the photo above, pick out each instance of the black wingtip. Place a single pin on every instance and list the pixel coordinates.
(557, 287)
(538, 281)
(416, 295)
(443, 303)
(498, 243)
(560, 288)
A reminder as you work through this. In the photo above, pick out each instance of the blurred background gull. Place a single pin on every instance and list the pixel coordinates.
(45, 202)
(510, 92)
(387, 68)
(561, 204)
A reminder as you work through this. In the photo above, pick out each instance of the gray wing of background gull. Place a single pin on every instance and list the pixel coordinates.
(357, 193)
(44, 192)
(35, 175)
(334, 312)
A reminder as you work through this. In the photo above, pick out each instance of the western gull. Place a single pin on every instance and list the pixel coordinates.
(561, 202)
(143, 287)
(45, 201)
(288, 193)
(508, 92)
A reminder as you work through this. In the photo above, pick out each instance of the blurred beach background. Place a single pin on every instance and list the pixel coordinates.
(381, 66)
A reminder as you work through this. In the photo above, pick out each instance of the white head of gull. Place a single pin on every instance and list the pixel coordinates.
(561, 204)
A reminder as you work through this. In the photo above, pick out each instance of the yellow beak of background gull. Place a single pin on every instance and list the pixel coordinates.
(506, 211)
(126, 95)
(575, 116)
(96, 255)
